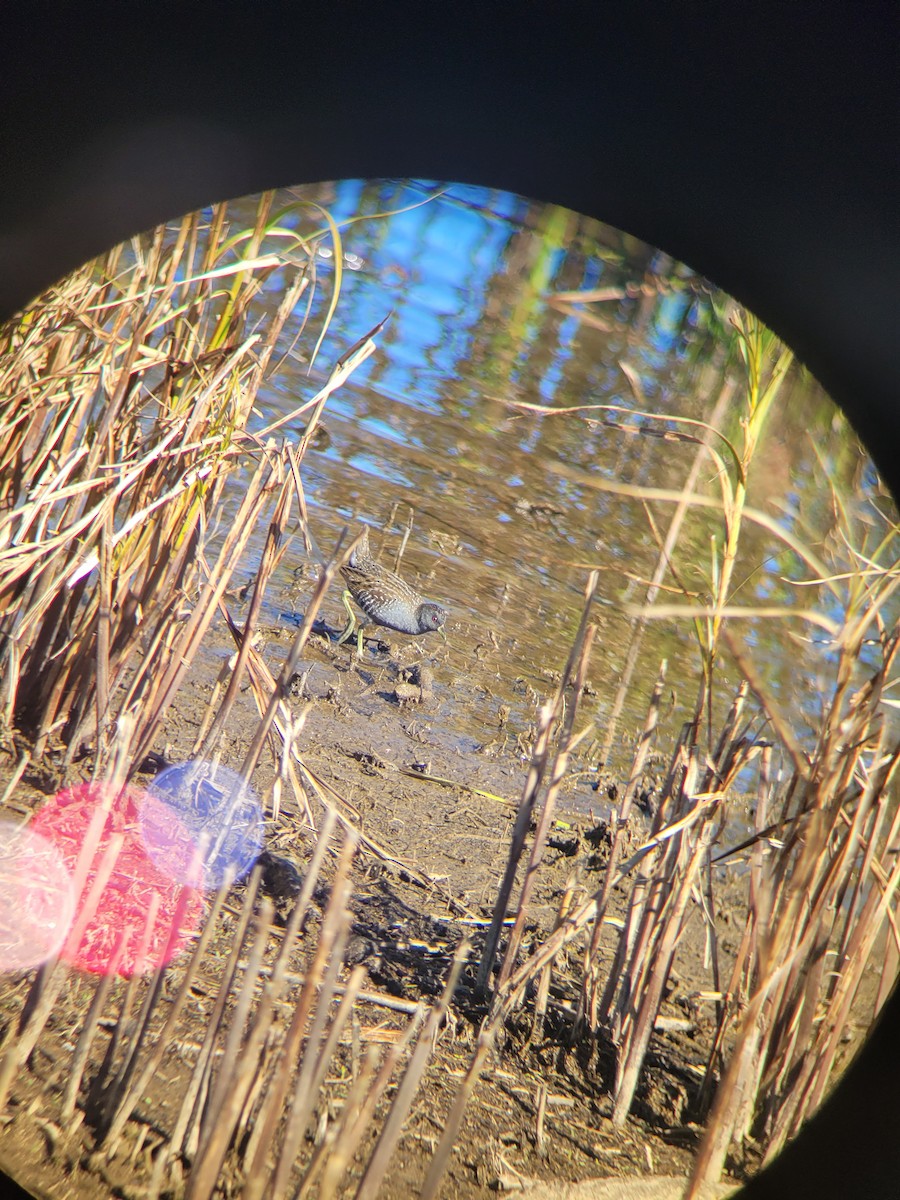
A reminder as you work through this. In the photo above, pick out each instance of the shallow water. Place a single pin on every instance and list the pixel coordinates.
(508, 511)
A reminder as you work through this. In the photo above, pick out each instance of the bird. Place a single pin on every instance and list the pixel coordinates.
(385, 598)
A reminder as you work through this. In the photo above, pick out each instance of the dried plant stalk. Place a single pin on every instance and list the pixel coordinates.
(186, 1132)
(836, 844)
(390, 1133)
(238, 1066)
(540, 768)
(132, 1084)
(126, 392)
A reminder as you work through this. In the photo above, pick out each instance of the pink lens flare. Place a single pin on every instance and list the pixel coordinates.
(137, 902)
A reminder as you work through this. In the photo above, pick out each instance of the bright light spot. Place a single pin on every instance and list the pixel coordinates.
(119, 917)
(200, 811)
(37, 899)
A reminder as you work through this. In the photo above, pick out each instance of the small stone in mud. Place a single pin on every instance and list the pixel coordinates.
(600, 835)
(153, 763)
(371, 763)
(361, 949)
(645, 801)
(280, 877)
(408, 693)
(424, 677)
(567, 846)
(416, 685)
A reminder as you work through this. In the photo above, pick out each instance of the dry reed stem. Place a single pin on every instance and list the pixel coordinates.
(566, 744)
(542, 993)
(130, 1086)
(255, 930)
(90, 1027)
(289, 667)
(438, 1166)
(332, 1156)
(119, 1037)
(733, 1095)
(590, 1001)
(356, 1118)
(345, 366)
(664, 906)
(551, 714)
(316, 1060)
(530, 791)
(689, 807)
(280, 978)
(758, 919)
(648, 990)
(390, 1134)
(273, 1104)
(826, 891)
(239, 1064)
(186, 1130)
(663, 564)
(129, 1037)
(287, 725)
(93, 428)
(267, 562)
(583, 915)
(188, 643)
(51, 976)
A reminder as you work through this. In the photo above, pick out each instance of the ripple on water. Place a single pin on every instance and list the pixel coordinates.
(509, 510)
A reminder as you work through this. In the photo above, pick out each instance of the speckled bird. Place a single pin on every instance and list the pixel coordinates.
(385, 598)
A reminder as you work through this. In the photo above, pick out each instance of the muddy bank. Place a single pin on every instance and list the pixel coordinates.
(436, 815)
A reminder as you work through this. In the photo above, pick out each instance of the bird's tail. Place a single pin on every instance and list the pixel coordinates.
(311, 546)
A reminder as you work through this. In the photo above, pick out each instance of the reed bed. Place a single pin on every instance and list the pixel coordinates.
(250, 1091)
(823, 876)
(128, 393)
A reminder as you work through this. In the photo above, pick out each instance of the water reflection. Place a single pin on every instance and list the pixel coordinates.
(506, 510)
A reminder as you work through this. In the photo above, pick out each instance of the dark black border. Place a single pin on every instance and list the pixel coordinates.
(755, 142)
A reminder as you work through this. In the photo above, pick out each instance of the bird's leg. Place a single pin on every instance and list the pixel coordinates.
(351, 624)
(351, 617)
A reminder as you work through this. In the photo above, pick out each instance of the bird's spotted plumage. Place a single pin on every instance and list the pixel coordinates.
(385, 598)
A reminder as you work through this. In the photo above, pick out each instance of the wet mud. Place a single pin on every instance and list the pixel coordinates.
(435, 811)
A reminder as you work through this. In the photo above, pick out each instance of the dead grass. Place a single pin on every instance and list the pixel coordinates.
(127, 392)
